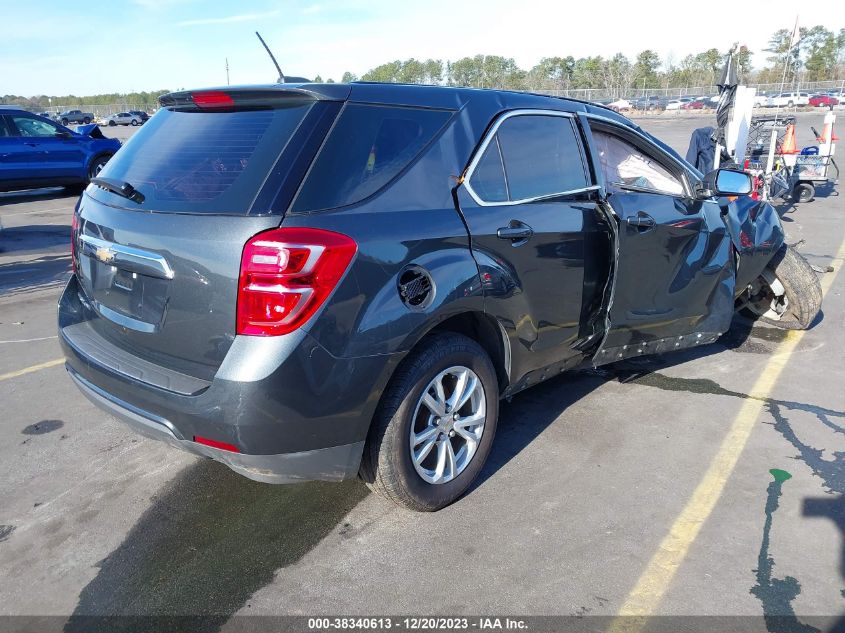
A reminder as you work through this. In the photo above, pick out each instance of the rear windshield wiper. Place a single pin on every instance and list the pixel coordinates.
(119, 187)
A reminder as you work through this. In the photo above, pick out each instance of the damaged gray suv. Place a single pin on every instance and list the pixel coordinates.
(310, 281)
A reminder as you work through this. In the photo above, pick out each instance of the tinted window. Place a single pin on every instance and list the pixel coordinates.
(366, 149)
(488, 179)
(542, 156)
(204, 162)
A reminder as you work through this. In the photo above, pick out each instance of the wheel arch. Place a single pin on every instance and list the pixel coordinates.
(484, 330)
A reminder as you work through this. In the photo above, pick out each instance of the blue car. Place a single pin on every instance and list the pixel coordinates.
(37, 152)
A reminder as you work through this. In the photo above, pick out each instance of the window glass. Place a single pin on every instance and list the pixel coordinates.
(4, 130)
(368, 146)
(624, 164)
(542, 156)
(488, 179)
(33, 127)
(205, 161)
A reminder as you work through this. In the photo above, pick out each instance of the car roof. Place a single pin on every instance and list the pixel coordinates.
(429, 96)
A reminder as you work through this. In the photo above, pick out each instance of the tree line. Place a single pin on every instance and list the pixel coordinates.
(818, 56)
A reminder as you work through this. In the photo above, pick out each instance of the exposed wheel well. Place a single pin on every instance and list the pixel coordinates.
(485, 331)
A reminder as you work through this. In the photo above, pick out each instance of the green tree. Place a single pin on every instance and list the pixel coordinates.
(348, 78)
(821, 49)
(645, 70)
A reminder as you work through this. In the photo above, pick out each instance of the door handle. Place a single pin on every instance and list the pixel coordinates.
(31, 144)
(642, 222)
(516, 232)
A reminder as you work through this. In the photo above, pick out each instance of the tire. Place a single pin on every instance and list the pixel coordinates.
(790, 104)
(387, 466)
(801, 290)
(86, 120)
(803, 192)
(97, 164)
(134, 122)
(65, 122)
(112, 123)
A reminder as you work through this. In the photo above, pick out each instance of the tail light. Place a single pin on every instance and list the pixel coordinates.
(286, 275)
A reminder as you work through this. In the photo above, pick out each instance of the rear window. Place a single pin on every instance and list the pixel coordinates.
(368, 147)
(203, 161)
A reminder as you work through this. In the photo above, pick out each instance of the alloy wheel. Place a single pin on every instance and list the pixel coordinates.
(447, 425)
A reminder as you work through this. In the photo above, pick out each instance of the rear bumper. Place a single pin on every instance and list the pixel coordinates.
(334, 463)
(294, 411)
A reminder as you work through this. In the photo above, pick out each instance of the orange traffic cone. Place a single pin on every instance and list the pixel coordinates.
(827, 134)
(789, 146)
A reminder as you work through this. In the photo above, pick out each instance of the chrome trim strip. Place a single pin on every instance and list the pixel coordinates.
(133, 259)
(125, 321)
(491, 134)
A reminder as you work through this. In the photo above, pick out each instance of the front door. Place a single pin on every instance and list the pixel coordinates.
(673, 283)
(532, 213)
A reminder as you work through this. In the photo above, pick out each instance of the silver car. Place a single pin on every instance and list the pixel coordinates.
(121, 118)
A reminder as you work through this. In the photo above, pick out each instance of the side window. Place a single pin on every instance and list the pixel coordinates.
(541, 156)
(488, 179)
(624, 164)
(33, 127)
(368, 146)
(4, 128)
(530, 156)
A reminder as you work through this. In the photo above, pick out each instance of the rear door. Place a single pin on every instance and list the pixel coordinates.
(17, 157)
(159, 273)
(527, 201)
(673, 284)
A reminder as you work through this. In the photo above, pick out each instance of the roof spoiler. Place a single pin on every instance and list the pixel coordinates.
(247, 97)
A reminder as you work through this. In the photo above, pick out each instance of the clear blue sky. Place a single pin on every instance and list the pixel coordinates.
(57, 47)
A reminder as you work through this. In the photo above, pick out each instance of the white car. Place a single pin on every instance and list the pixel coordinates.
(121, 118)
(789, 99)
(677, 104)
(620, 105)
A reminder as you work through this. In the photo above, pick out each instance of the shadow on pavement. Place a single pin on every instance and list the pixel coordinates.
(207, 543)
(35, 195)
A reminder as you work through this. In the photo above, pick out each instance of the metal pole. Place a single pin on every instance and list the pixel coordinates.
(227, 71)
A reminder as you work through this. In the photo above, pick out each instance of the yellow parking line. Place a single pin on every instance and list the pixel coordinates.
(646, 595)
(29, 370)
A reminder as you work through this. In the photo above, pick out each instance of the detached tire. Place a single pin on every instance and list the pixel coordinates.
(421, 453)
(788, 294)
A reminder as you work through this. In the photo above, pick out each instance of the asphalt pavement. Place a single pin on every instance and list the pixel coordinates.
(588, 477)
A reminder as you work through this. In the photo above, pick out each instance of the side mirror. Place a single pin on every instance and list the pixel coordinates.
(726, 182)
(63, 134)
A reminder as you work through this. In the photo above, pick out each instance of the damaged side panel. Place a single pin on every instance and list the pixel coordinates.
(673, 285)
(757, 234)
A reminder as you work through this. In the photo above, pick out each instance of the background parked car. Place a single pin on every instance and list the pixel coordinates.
(620, 105)
(651, 102)
(789, 99)
(37, 152)
(675, 104)
(695, 104)
(823, 100)
(140, 114)
(75, 116)
(121, 118)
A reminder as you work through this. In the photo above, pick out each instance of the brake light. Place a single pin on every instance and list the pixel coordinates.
(74, 231)
(286, 275)
(212, 99)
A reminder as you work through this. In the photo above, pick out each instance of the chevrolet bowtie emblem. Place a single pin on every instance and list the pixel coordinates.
(104, 254)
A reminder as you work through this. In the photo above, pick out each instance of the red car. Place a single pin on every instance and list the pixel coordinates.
(823, 101)
(698, 104)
